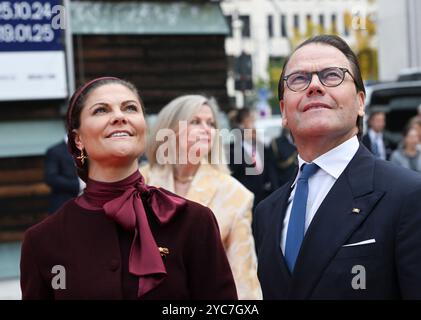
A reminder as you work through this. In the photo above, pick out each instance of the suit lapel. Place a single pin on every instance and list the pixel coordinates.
(273, 236)
(335, 221)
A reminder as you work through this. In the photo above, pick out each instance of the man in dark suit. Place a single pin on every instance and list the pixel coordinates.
(346, 226)
(377, 140)
(280, 160)
(246, 161)
(60, 175)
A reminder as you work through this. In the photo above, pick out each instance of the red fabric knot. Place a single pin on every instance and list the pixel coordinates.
(122, 202)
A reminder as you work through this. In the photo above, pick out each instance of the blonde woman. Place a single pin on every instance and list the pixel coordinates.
(186, 156)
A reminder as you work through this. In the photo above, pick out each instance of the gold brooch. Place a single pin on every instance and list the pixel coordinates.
(163, 251)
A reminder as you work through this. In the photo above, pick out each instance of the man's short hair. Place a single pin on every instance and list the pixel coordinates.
(336, 42)
(372, 114)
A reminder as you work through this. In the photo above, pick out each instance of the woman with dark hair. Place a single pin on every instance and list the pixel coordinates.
(121, 239)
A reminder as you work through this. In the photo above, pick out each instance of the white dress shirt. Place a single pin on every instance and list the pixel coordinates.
(331, 165)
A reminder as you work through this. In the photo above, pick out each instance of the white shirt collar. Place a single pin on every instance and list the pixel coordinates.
(374, 135)
(335, 160)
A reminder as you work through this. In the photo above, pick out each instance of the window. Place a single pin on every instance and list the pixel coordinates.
(346, 28)
(284, 26)
(228, 19)
(322, 23)
(245, 31)
(270, 26)
(309, 22)
(334, 27)
(296, 21)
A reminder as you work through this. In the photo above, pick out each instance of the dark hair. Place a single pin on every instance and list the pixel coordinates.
(342, 46)
(76, 104)
(407, 129)
(238, 116)
(373, 114)
(415, 121)
(410, 125)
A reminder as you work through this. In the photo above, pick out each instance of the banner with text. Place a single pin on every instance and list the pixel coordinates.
(32, 50)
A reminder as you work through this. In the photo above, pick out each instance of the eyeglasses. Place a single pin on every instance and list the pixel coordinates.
(329, 77)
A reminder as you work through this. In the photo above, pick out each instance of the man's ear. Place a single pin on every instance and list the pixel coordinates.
(361, 103)
(77, 139)
(284, 117)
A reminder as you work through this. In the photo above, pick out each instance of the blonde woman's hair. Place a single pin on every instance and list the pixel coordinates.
(184, 108)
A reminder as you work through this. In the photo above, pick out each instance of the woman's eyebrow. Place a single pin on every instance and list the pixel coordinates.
(130, 101)
(96, 104)
(105, 103)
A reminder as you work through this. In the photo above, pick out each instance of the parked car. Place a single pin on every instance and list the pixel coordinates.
(399, 100)
(410, 74)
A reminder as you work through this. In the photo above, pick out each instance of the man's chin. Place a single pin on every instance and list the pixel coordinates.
(316, 128)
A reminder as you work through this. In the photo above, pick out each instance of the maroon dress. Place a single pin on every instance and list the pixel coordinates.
(106, 253)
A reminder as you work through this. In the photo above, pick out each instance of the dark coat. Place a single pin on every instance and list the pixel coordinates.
(389, 144)
(86, 244)
(257, 183)
(372, 199)
(60, 175)
(280, 161)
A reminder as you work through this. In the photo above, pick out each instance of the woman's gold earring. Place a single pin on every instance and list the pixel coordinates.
(82, 157)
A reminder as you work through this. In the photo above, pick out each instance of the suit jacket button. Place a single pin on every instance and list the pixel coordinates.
(114, 265)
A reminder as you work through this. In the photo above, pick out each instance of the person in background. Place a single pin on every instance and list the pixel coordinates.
(418, 116)
(281, 159)
(61, 176)
(408, 155)
(377, 140)
(416, 124)
(247, 156)
(194, 166)
(121, 239)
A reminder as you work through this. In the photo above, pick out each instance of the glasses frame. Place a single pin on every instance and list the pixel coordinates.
(310, 78)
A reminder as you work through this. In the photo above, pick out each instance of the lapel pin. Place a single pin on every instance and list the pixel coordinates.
(163, 251)
(356, 210)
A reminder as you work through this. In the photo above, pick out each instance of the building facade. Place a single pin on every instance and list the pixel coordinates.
(264, 32)
(166, 48)
(399, 37)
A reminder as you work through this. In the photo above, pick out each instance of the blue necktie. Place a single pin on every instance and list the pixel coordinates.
(375, 147)
(296, 225)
